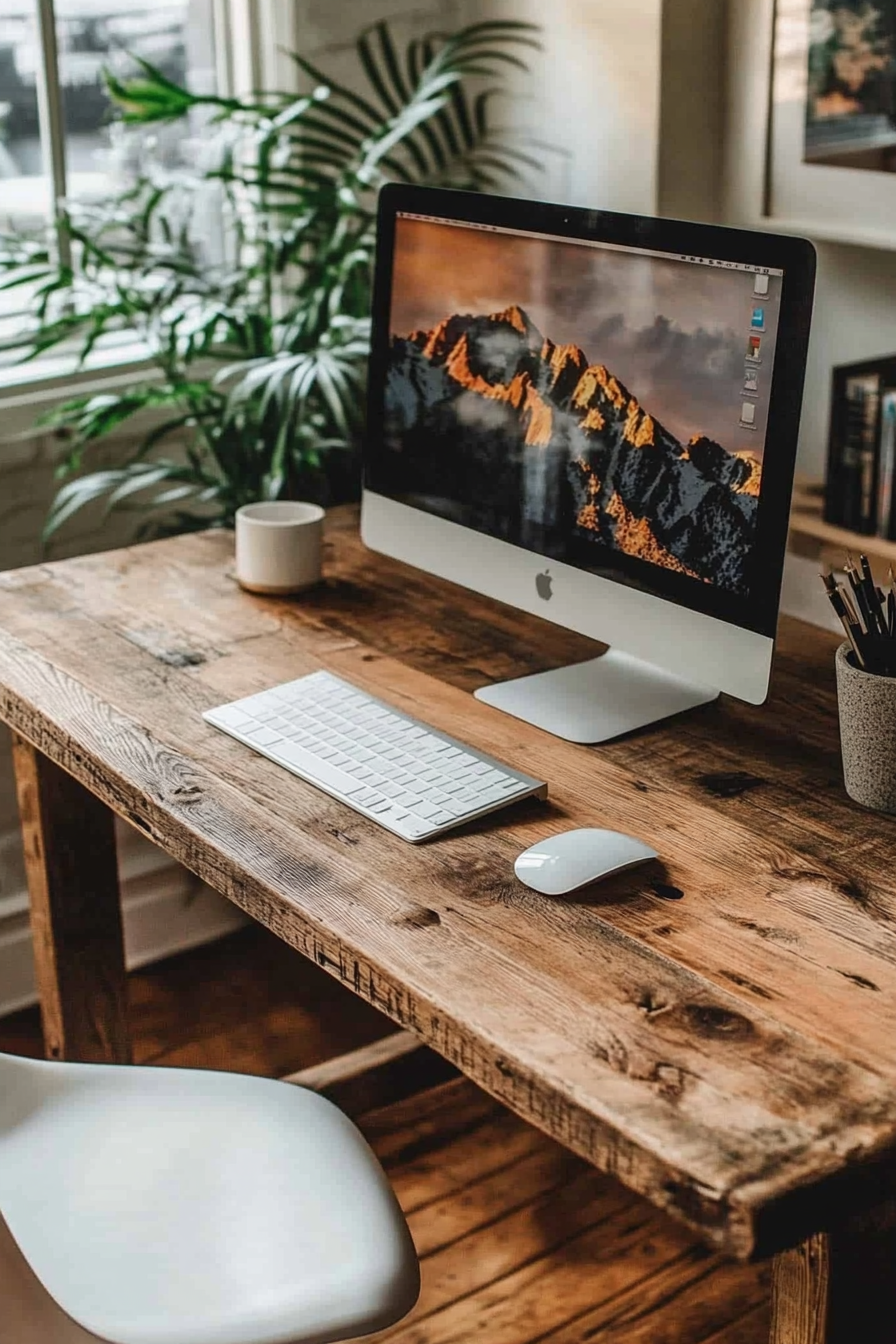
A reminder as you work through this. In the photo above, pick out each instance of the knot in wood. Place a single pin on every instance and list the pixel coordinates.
(711, 1020)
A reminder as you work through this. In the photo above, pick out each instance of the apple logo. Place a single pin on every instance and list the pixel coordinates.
(543, 585)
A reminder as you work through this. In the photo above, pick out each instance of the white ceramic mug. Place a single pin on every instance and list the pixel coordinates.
(278, 546)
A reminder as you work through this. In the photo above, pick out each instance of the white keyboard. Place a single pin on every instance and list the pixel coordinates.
(399, 772)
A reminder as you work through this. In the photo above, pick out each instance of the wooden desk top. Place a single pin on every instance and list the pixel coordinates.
(731, 1054)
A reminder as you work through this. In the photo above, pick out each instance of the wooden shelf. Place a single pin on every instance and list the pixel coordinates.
(811, 536)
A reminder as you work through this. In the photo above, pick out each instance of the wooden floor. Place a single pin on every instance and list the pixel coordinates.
(520, 1242)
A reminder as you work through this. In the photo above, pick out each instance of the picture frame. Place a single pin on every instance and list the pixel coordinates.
(770, 184)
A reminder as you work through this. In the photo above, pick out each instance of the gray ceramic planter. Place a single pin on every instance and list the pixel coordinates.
(867, 705)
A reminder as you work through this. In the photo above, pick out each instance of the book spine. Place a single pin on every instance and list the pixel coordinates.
(834, 472)
(886, 521)
(858, 462)
(870, 458)
(849, 480)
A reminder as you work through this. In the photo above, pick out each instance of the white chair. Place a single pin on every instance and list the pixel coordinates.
(169, 1206)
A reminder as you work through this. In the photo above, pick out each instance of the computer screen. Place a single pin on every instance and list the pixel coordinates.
(615, 393)
(573, 396)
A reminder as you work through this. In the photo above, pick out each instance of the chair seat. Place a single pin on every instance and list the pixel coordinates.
(166, 1206)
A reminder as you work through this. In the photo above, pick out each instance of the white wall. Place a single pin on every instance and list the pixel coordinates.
(692, 100)
(594, 101)
(596, 97)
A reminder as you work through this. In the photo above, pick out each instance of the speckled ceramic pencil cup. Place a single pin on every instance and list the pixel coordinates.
(867, 704)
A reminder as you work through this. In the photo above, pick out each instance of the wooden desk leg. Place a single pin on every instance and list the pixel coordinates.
(72, 870)
(841, 1288)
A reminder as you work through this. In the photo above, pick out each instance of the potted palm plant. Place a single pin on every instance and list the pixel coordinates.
(256, 344)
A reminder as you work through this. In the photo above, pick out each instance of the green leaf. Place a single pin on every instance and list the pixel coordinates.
(140, 476)
(390, 103)
(76, 495)
(354, 99)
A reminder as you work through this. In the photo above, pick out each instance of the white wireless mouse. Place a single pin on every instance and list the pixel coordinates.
(563, 863)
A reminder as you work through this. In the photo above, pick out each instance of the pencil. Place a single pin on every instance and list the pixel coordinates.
(845, 593)
(860, 598)
(849, 628)
(874, 597)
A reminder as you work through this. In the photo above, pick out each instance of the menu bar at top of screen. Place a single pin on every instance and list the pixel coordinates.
(593, 242)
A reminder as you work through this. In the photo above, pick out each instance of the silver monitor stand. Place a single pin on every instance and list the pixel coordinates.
(598, 699)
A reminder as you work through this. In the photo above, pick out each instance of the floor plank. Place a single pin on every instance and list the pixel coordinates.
(520, 1241)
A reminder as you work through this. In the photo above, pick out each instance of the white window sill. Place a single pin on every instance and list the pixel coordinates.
(28, 391)
(51, 371)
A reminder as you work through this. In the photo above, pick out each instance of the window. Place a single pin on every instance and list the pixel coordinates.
(53, 108)
(57, 137)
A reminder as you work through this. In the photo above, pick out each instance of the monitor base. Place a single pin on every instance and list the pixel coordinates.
(596, 700)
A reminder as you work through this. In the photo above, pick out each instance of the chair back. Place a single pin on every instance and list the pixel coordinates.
(28, 1315)
(25, 1086)
(131, 1193)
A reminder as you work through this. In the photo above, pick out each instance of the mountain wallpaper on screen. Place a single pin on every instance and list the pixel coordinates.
(500, 429)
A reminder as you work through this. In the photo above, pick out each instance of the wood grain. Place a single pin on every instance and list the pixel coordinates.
(542, 1248)
(727, 1054)
(72, 871)
(800, 1287)
(841, 1286)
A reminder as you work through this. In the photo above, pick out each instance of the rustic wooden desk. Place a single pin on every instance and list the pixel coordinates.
(730, 1054)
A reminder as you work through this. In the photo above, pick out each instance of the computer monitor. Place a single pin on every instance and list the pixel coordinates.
(593, 417)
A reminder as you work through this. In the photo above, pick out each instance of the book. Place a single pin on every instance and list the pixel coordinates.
(851, 498)
(858, 482)
(886, 468)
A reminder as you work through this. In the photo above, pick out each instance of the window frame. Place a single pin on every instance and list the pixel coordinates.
(250, 37)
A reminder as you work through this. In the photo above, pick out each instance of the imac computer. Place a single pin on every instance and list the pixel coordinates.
(593, 417)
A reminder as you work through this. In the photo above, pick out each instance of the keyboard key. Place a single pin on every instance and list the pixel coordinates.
(306, 762)
(457, 809)
(415, 829)
(263, 737)
(230, 717)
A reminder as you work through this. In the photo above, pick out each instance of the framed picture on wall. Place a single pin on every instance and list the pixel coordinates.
(831, 165)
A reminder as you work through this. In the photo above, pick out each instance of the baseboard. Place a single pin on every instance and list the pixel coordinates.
(166, 910)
